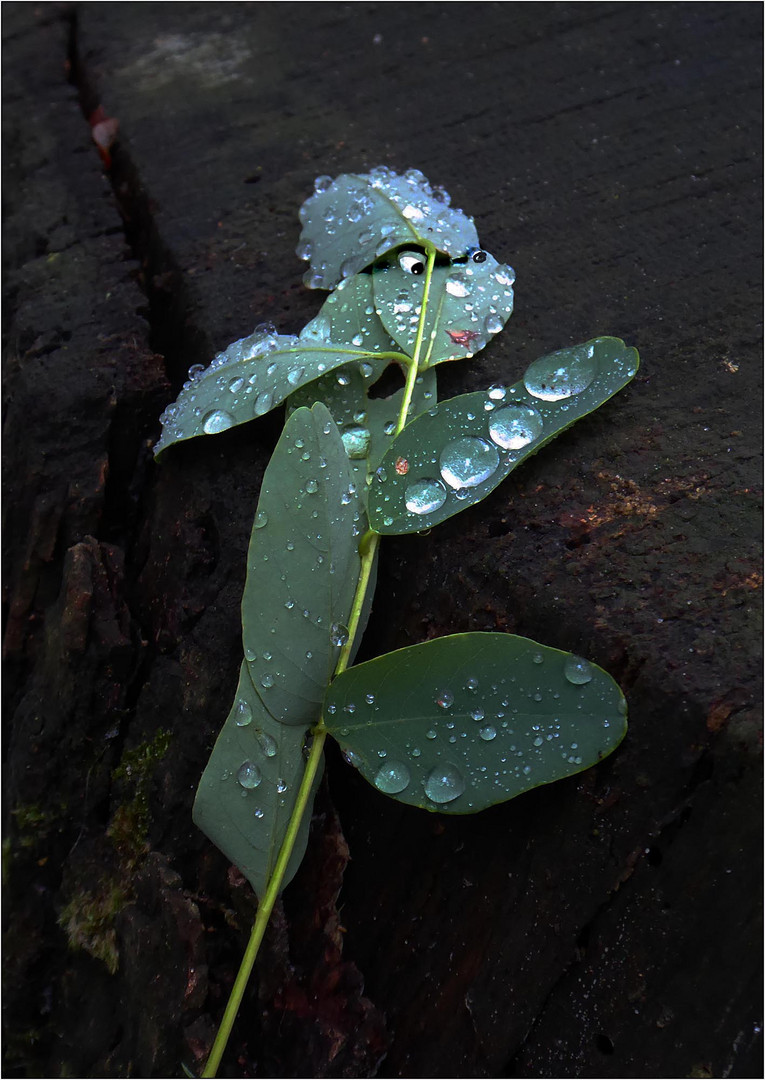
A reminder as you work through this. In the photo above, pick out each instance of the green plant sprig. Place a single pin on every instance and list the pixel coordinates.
(451, 725)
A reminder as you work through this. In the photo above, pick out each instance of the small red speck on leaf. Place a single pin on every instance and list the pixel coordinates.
(402, 466)
(462, 337)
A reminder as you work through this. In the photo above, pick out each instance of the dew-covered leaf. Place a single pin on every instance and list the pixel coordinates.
(247, 380)
(348, 317)
(352, 220)
(302, 567)
(468, 303)
(248, 789)
(452, 456)
(459, 723)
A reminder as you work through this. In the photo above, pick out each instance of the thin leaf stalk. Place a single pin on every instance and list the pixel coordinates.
(367, 549)
(266, 907)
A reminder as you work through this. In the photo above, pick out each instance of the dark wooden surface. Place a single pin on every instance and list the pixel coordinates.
(605, 926)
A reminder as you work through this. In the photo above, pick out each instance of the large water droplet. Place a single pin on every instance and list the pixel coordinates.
(321, 183)
(444, 784)
(356, 441)
(267, 681)
(392, 778)
(577, 670)
(425, 496)
(457, 285)
(467, 462)
(492, 324)
(515, 426)
(295, 375)
(488, 733)
(263, 403)
(311, 486)
(561, 374)
(236, 384)
(445, 699)
(261, 519)
(216, 422)
(242, 713)
(267, 743)
(249, 775)
(338, 634)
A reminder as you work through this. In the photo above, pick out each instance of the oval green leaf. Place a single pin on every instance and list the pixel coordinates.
(452, 456)
(350, 221)
(463, 722)
(250, 378)
(348, 317)
(302, 567)
(248, 790)
(468, 303)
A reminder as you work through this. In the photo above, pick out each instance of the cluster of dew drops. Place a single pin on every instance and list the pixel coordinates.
(468, 461)
(413, 196)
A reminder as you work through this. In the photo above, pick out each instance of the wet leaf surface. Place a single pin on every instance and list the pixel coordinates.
(302, 567)
(247, 380)
(248, 789)
(352, 220)
(459, 723)
(468, 304)
(458, 452)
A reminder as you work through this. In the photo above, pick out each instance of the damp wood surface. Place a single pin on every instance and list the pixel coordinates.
(606, 925)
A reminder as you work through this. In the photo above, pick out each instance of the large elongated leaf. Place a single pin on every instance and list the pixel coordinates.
(460, 723)
(350, 221)
(454, 455)
(302, 567)
(250, 378)
(467, 305)
(248, 790)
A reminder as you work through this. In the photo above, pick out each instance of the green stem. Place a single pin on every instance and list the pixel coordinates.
(266, 906)
(367, 550)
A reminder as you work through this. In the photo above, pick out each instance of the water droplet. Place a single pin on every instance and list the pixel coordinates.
(249, 775)
(242, 713)
(370, 699)
(425, 496)
(365, 368)
(444, 784)
(471, 684)
(488, 733)
(492, 324)
(467, 462)
(342, 378)
(577, 670)
(538, 741)
(537, 658)
(263, 403)
(236, 385)
(431, 734)
(497, 392)
(267, 681)
(412, 213)
(392, 778)
(515, 426)
(338, 634)
(216, 422)
(321, 183)
(390, 427)
(195, 371)
(250, 654)
(311, 487)
(356, 440)
(281, 785)
(295, 375)
(444, 699)
(357, 340)
(478, 714)
(457, 285)
(267, 744)
(561, 374)
(261, 519)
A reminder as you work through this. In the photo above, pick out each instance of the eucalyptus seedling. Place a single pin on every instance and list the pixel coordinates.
(454, 724)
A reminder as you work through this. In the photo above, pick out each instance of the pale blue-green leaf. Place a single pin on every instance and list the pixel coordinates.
(348, 317)
(468, 304)
(249, 379)
(248, 790)
(350, 221)
(459, 723)
(458, 452)
(302, 567)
